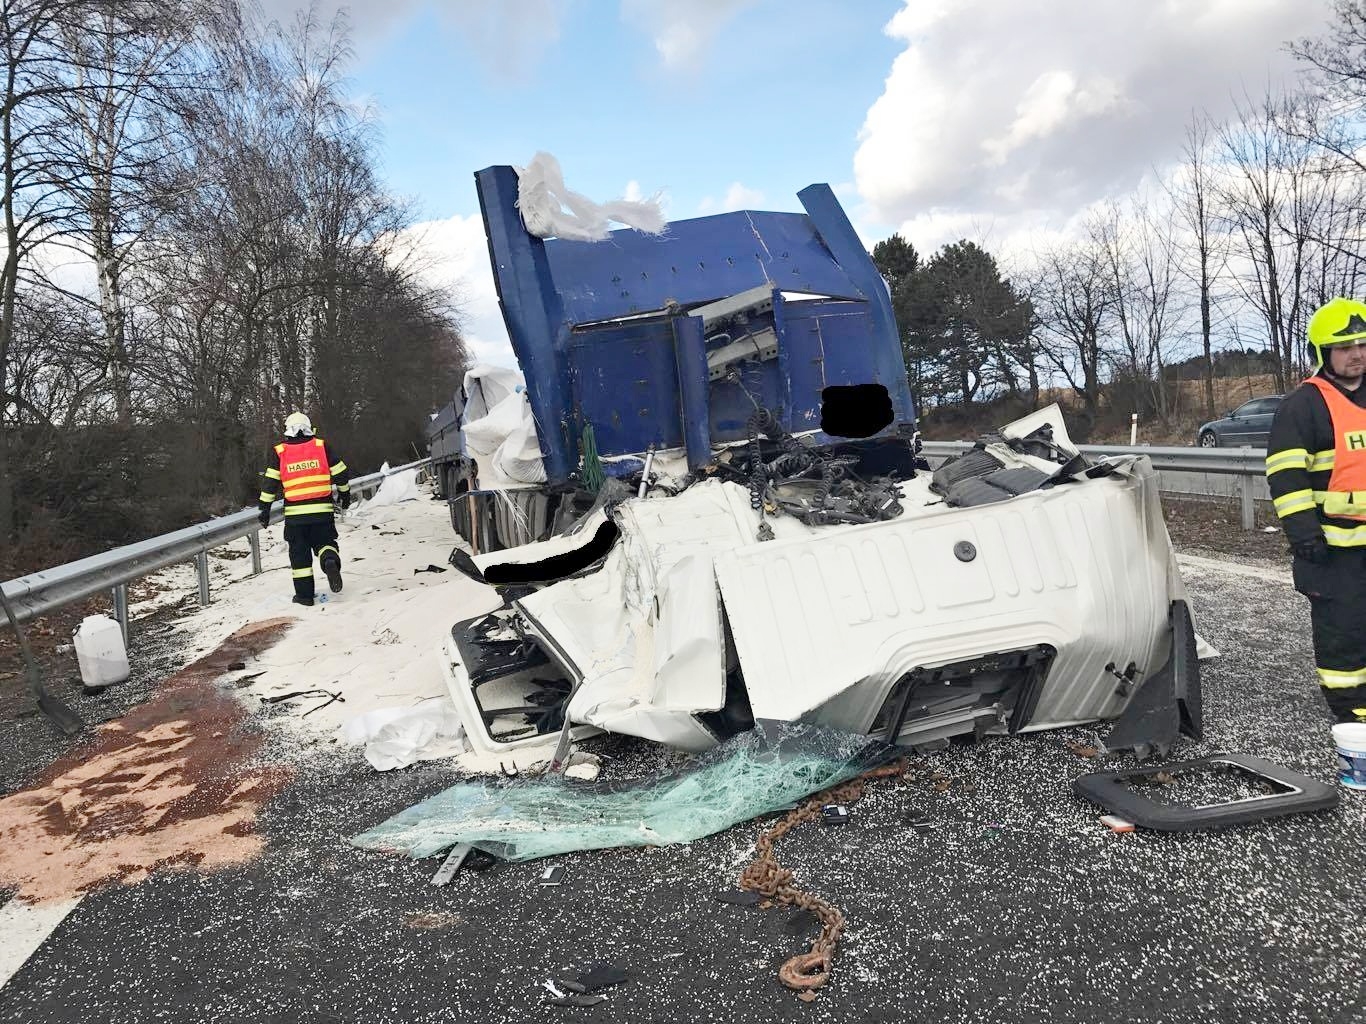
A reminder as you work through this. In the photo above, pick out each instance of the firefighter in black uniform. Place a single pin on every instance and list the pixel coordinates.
(305, 468)
(1316, 468)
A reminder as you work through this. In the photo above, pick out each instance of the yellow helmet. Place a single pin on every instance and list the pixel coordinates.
(1337, 322)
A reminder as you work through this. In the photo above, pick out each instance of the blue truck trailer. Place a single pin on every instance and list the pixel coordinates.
(701, 337)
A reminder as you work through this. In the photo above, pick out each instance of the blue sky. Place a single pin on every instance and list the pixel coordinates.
(773, 115)
(1001, 121)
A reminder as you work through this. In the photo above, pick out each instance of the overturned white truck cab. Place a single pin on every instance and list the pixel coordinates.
(721, 407)
(1018, 587)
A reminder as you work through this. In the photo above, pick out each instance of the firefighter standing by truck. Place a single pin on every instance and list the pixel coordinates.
(1316, 469)
(305, 468)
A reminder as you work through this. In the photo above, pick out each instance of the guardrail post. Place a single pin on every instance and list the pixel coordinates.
(120, 598)
(201, 563)
(254, 539)
(1245, 490)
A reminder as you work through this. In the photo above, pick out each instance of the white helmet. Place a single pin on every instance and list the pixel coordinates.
(298, 425)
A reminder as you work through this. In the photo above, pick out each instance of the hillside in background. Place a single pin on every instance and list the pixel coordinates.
(959, 422)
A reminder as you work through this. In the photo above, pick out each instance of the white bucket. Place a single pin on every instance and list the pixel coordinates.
(1350, 739)
(100, 651)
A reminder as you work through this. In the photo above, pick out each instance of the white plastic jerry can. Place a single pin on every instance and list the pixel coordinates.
(100, 651)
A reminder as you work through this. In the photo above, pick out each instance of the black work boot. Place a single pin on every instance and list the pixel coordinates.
(306, 601)
(332, 567)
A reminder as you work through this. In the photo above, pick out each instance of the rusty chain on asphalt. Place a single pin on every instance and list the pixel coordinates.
(808, 971)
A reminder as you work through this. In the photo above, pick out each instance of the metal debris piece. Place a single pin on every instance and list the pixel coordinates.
(600, 976)
(1168, 703)
(450, 867)
(56, 709)
(576, 1000)
(580, 991)
(834, 814)
(331, 698)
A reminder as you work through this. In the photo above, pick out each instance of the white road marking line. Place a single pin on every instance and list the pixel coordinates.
(25, 926)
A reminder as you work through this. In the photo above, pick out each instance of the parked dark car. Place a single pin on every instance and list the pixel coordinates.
(1249, 424)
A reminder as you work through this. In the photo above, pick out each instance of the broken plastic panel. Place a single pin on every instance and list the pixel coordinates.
(1026, 455)
(1168, 703)
(754, 773)
(515, 686)
(1232, 789)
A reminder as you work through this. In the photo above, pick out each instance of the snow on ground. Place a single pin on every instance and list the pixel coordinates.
(376, 643)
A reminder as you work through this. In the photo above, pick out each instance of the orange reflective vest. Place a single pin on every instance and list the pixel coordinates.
(1346, 494)
(304, 472)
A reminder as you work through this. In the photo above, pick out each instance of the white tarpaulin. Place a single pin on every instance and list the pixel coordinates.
(551, 210)
(396, 487)
(499, 429)
(398, 737)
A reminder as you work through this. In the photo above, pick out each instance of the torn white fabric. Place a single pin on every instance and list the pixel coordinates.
(395, 488)
(542, 198)
(398, 737)
(486, 385)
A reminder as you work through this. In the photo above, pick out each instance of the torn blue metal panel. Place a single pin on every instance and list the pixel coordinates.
(624, 381)
(690, 354)
(694, 261)
(534, 317)
(603, 334)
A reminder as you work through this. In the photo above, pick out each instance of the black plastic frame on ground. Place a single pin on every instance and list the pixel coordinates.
(1298, 794)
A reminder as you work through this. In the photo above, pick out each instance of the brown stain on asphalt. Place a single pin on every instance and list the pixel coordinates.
(172, 784)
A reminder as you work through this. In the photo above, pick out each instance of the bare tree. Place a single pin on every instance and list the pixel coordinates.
(128, 63)
(1074, 299)
(212, 177)
(1201, 256)
(36, 211)
(1274, 200)
(1139, 255)
(1339, 63)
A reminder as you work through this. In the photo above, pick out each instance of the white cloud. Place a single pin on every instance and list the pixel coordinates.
(738, 197)
(459, 258)
(367, 18)
(681, 29)
(633, 193)
(1027, 109)
(509, 36)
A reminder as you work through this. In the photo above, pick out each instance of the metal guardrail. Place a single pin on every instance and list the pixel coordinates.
(49, 589)
(1248, 464)
(42, 592)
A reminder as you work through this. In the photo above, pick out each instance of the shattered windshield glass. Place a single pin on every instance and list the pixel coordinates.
(766, 769)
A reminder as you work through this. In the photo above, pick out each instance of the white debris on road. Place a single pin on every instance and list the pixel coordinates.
(374, 643)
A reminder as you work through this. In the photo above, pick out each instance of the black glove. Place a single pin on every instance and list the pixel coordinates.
(1315, 550)
(264, 518)
(344, 499)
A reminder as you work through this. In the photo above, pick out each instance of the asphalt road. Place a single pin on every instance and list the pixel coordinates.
(1014, 904)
